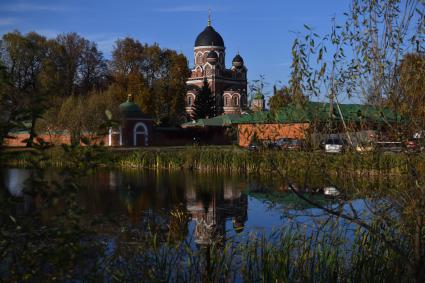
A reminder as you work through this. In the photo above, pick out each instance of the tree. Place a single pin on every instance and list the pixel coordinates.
(296, 87)
(94, 117)
(294, 93)
(156, 77)
(280, 98)
(8, 114)
(24, 57)
(204, 105)
(80, 65)
(126, 68)
(70, 117)
(256, 87)
(84, 115)
(412, 90)
(376, 35)
(170, 90)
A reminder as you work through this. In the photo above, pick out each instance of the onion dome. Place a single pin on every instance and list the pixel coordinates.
(212, 57)
(129, 109)
(237, 61)
(259, 95)
(209, 37)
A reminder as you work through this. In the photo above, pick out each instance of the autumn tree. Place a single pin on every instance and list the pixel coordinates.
(126, 68)
(298, 74)
(8, 111)
(412, 90)
(368, 56)
(170, 89)
(205, 104)
(281, 98)
(95, 115)
(156, 77)
(294, 93)
(86, 115)
(24, 57)
(80, 65)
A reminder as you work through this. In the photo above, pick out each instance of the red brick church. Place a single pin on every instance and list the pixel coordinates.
(229, 86)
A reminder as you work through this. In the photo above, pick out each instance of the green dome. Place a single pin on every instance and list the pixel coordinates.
(258, 95)
(129, 109)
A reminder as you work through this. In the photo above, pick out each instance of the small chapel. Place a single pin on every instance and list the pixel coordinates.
(229, 86)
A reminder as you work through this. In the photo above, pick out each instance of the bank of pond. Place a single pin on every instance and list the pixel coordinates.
(187, 226)
(229, 159)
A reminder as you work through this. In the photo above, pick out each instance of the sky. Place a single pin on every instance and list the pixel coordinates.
(262, 31)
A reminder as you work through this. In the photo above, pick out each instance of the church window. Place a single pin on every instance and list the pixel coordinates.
(199, 58)
(227, 101)
(189, 101)
(235, 101)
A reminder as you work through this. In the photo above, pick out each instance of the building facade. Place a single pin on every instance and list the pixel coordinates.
(258, 103)
(135, 129)
(229, 86)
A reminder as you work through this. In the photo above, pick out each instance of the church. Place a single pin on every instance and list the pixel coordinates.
(229, 86)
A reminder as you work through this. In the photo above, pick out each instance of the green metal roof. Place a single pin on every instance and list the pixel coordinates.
(306, 113)
(316, 111)
(219, 121)
(129, 109)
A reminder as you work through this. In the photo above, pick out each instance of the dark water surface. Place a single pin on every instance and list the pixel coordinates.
(215, 205)
(141, 225)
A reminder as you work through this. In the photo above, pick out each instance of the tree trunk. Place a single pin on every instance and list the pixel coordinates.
(33, 134)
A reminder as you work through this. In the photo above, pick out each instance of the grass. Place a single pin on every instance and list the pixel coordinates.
(289, 255)
(236, 160)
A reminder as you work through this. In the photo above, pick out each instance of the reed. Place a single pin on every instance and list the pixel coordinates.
(288, 255)
(235, 160)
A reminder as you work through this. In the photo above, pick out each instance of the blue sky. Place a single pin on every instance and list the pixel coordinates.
(262, 31)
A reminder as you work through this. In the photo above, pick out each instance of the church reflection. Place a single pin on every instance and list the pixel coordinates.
(166, 201)
(210, 209)
(180, 205)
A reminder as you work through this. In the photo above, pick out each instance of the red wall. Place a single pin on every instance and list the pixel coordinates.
(270, 132)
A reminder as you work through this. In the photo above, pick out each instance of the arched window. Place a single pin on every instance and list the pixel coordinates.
(227, 101)
(235, 101)
(115, 136)
(198, 58)
(140, 134)
(189, 101)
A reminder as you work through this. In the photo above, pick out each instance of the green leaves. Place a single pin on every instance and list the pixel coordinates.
(205, 104)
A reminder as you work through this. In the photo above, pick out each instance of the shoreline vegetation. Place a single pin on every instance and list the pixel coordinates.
(229, 159)
(324, 252)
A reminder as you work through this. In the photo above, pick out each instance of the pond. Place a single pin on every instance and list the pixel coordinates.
(217, 205)
(148, 221)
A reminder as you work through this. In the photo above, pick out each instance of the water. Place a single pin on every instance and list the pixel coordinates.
(214, 205)
(139, 223)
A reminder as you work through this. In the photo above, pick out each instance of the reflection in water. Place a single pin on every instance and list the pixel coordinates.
(185, 205)
(205, 210)
(14, 180)
(210, 209)
(159, 201)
